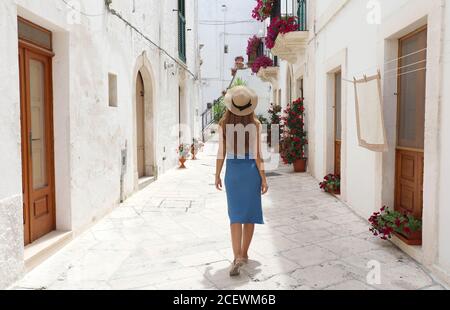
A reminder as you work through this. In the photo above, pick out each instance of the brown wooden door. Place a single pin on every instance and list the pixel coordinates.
(337, 123)
(37, 142)
(411, 123)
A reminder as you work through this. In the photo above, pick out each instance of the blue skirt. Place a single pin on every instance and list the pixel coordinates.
(243, 188)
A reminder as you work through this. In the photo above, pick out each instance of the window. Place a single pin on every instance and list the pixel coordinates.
(182, 30)
(412, 85)
(34, 34)
(112, 87)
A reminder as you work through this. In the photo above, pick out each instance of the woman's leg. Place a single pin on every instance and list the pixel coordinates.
(236, 240)
(247, 239)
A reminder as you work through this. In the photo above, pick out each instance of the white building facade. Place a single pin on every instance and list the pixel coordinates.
(224, 29)
(408, 41)
(95, 94)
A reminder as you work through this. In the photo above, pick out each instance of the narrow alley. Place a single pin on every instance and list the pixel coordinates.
(174, 234)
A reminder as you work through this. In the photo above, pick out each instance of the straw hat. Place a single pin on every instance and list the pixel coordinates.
(241, 100)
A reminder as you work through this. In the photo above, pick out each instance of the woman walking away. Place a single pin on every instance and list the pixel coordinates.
(245, 180)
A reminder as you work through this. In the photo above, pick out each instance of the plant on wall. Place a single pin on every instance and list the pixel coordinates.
(387, 222)
(253, 44)
(262, 119)
(277, 26)
(252, 49)
(331, 184)
(263, 9)
(275, 113)
(294, 137)
(219, 109)
(261, 62)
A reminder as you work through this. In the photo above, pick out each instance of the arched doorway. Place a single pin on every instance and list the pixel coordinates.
(144, 138)
(140, 125)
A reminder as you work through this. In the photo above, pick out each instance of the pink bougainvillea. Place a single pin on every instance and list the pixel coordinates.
(253, 44)
(261, 62)
(263, 9)
(278, 26)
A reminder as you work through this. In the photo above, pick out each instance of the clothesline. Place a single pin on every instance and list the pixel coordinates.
(392, 75)
(389, 62)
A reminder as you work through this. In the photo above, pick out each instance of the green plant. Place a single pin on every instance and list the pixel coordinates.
(219, 109)
(331, 183)
(274, 112)
(238, 82)
(183, 150)
(262, 119)
(385, 222)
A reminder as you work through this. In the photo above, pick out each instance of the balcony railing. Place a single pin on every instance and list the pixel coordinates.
(263, 51)
(291, 8)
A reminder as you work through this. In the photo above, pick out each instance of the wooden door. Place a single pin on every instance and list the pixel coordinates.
(411, 123)
(140, 123)
(337, 122)
(37, 141)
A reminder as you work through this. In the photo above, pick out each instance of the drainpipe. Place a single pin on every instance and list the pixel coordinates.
(123, 169)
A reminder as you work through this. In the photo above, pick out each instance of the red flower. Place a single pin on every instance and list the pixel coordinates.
(406, 230)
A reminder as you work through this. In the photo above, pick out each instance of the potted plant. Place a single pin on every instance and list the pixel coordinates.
(252, 49)
(275, 119)
(263, 9)
(183, 153)
(277, 26)
(239, 62)
(195, 146)
(405, 226)
(261, 62)
(294, 139)
(331, 184)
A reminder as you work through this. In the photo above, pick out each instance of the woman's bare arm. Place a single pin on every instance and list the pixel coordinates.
(221, 153)
(260, 161)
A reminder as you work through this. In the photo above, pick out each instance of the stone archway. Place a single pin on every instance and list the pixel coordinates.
(144, 136)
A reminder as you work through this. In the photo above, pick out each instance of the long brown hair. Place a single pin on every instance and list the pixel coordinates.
(233, 119)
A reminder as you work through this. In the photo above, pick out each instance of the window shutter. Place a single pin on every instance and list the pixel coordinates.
(182, 30)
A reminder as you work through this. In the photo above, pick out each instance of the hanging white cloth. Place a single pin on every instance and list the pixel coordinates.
(369, 113)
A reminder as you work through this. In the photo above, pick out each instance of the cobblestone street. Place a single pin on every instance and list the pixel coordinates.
(174, 234)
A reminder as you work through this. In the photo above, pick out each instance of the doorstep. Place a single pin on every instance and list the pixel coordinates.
(415, 251)
(145, 181)
(41, 249)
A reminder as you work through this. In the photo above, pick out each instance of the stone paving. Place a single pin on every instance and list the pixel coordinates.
(174, 234)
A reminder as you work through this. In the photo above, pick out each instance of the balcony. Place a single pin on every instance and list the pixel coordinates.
(291, 46)
(268, 74)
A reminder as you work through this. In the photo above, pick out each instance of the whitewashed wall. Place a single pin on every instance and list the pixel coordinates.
(89, 135)
(216, 67)
(343, 37)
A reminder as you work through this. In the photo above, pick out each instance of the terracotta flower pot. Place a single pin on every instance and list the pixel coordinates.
(300, 165)
(182, 161)
(414, 238)
(332, 190)
(194, 153)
